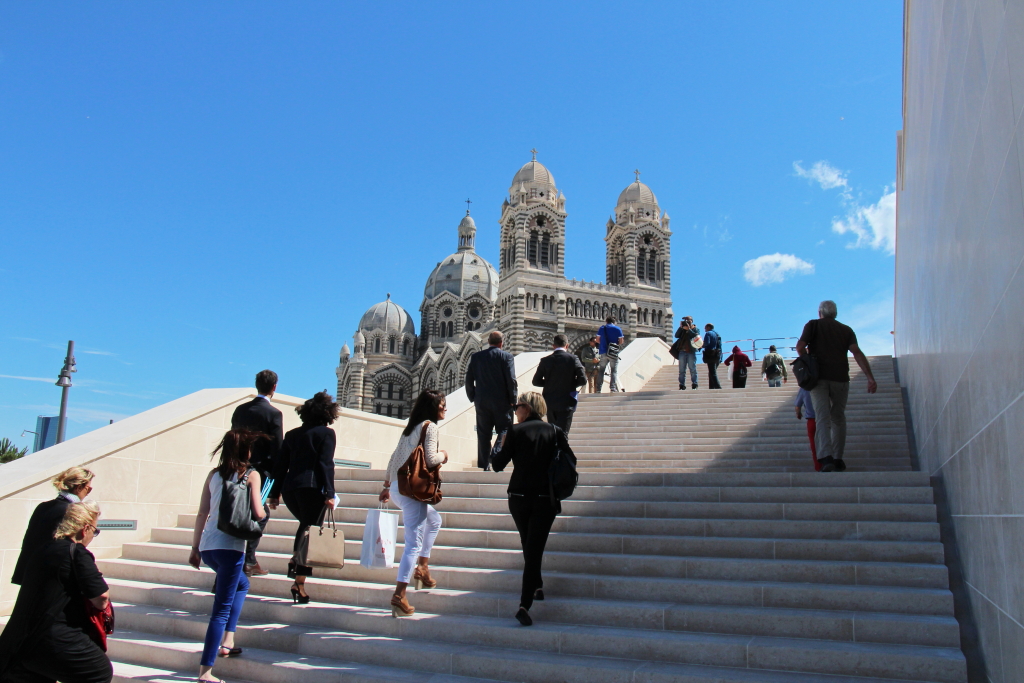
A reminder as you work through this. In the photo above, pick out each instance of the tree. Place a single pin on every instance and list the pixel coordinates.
(9, 452)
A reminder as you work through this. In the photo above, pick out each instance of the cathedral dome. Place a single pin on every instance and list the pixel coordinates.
(533, 173)
(463, 273)
(387, 316)
(637, 193)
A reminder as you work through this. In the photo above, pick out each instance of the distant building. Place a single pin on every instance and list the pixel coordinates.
(529, 299)
(46, 432)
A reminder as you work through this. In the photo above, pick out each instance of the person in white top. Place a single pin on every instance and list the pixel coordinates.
(221, 552)
(422, 521)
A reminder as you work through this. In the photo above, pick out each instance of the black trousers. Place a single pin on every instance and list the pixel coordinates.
(533, 516)
(561, 417)
(713, 382)
(488, 420)
(307, 505)
(737, 381)
(68, 657)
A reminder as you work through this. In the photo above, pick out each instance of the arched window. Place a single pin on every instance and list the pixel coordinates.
(531, 250)
(545, 245)
(376, 345)
(405, 347)
(568, 307)
(641, 265)
(391, 345)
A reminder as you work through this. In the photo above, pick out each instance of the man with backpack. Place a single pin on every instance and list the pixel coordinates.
(830, 342)
(712, 355)
(611, 341)
(773, 367)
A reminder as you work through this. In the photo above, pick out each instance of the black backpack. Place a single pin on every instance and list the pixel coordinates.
(805, 369)
(562, 475)
(773, 368)
(236, 510)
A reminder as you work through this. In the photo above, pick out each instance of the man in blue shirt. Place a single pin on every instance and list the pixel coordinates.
(610, 335)
(712, 355)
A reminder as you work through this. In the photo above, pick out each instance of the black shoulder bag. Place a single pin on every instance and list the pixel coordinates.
(805, 369)
(562, 475)
(236, 510)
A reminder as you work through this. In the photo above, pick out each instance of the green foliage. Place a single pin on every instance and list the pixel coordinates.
(9, 452)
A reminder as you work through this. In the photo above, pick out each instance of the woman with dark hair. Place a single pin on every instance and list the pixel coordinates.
(422, 522)
(304, 476)
(531, 445)
(47, 638)
(72, 485)
(221, 552)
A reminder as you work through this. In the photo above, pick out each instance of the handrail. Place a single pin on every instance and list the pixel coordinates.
(754, 347)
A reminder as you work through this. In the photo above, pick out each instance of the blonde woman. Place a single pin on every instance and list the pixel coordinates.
(47, 636)
(422, 522)
(72, 485)
(531, 444)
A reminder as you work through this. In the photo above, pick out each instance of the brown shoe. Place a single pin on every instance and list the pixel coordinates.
(255, 570)
(400, 607)
(421, 577)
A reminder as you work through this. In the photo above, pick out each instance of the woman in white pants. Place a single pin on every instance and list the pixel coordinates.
(422, 522)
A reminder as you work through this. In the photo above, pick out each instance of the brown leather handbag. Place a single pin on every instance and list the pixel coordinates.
(415, 479)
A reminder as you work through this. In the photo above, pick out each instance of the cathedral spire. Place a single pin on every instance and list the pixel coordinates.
(467, 231)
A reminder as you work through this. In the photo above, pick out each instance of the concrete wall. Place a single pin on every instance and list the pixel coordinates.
(960, 298)
(150, 467)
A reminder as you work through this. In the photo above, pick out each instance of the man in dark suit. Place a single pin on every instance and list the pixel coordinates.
(491, 386)
(258, 415)
(561, 374)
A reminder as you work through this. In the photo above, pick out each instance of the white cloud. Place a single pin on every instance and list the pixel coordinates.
(874, 225)
(872, 321)
(30, 379)
(772, 268)
(823, 173)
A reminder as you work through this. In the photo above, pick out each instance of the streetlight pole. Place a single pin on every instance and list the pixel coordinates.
(64, 381)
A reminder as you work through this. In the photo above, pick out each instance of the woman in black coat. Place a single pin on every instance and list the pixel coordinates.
(72, 485)
(47, 638)
(531, 445)
(304, 476)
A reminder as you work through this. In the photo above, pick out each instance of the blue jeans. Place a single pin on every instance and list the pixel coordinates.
(687, 360)
(232, 587)
(777, 382)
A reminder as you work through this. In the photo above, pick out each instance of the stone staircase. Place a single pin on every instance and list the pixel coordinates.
(734, 430)
(695, 566)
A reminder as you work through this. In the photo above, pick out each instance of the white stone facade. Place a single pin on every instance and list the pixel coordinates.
(529, 300)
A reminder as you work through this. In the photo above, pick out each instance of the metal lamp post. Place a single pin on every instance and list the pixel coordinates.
(64, 381)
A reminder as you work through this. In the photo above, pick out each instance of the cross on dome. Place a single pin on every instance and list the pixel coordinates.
(468, 202)
(637, 171)
(534, 153)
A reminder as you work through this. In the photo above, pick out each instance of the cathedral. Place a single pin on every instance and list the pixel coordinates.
(529, 298)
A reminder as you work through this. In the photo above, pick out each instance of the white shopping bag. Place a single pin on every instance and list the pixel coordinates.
(379, 537)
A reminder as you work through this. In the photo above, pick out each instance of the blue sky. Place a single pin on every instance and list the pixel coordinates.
(196, 191)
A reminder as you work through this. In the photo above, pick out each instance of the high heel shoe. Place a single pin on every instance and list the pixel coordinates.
(400, 607)
(297, 596)
(422, 578)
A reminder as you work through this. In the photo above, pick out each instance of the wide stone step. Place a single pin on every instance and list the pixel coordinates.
(799, 479)
(597, 653)
(720, 494)
(861, 512)
(470, 581)
(617, 564)
(460, 618)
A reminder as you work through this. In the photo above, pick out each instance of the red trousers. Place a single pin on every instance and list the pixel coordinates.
(814, 451)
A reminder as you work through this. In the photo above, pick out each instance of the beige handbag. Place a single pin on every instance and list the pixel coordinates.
(325, 545)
